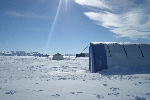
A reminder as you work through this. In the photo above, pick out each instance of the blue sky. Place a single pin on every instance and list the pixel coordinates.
(68, 26)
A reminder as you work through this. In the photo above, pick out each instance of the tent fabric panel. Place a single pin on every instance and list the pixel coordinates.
(118, 55)
(100, 58)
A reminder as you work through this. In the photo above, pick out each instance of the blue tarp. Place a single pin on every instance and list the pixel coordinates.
(97, 58)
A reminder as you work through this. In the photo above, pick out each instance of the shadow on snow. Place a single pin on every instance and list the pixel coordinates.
(120, 70)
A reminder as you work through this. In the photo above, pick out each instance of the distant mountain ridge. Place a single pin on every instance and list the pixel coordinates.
(20, 53)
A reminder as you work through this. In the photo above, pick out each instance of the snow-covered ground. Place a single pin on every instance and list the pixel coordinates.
(39, 78)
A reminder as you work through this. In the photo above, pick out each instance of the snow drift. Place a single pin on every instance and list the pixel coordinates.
(40, 78)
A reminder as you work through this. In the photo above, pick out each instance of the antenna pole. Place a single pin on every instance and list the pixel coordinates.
(81, 52)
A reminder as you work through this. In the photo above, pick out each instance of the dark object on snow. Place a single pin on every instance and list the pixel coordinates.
(81, 52)
(82, 55)
(11, 92)
(46, 55)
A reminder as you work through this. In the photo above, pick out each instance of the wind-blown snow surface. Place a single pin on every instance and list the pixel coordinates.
(39, 78)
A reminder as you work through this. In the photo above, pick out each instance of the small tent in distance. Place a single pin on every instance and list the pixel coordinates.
(103, 55)
(58, 56)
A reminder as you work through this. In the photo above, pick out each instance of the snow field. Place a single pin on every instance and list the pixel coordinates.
(39, 78)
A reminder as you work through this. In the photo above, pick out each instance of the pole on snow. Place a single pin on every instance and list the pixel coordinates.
(81, 52)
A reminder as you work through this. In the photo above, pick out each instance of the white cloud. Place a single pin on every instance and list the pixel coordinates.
(92, 3)
(125, 18)
(26, 15)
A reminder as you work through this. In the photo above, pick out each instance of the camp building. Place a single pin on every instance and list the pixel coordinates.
(58, 56)
(103, 55)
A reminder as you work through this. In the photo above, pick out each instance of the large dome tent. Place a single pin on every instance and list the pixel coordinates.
(103, 55)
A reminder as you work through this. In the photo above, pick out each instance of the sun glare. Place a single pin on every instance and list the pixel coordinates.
(52, 28)
(65, 2)
(66, 5)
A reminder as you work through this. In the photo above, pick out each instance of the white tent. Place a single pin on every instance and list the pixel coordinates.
(58, 57)
(104, 55)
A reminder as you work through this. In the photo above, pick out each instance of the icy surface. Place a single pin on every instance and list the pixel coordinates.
(39, 78)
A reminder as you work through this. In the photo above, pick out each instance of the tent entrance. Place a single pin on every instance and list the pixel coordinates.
(100, 58)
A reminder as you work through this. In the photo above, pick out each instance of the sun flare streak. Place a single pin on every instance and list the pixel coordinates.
(66, 5)
(53, 25)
